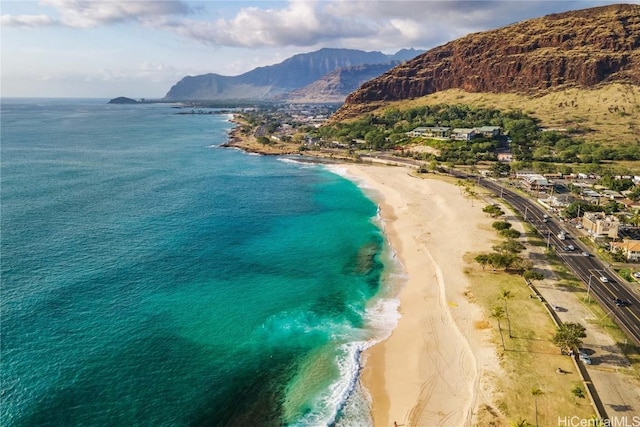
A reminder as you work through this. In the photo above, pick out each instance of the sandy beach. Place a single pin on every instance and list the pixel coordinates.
(436, 367)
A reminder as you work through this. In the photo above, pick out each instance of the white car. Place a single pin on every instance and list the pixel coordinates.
(603, 279)
(582, 355)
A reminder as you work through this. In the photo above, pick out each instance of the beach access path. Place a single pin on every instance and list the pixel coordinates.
(436, 368)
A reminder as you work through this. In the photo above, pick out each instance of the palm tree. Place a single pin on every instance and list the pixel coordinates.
(506, 295)
(471, 194)
(461, 184)
(535, 392)
(498, 313)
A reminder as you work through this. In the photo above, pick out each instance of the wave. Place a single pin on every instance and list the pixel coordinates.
(302, 164)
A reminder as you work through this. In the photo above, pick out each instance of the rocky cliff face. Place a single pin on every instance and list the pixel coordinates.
(579, 48)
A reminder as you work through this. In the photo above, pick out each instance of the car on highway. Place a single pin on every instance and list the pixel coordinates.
(620, 303)
(636, 274)
(603, 279)
(585, 253)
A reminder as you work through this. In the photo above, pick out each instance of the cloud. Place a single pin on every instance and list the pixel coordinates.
(94, 13)
(301, 23)
(26, 21)
(383, 24)
(358, 23)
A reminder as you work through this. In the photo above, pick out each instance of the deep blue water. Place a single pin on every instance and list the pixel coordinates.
(150, 277)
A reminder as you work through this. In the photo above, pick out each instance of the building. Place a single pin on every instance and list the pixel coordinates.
(598, 224)
(458, 134)
(488, 131)
(629, 248)
(536, 183)
(505, 157)
(436, 132)
(463, 134)
(533, 181)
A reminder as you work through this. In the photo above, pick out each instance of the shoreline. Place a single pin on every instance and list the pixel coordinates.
(431, 369)
(435, 367)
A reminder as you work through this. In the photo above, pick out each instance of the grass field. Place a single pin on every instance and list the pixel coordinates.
(529, 358)
(609, 114)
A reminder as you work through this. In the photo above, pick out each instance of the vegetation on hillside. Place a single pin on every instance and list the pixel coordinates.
(528, 141)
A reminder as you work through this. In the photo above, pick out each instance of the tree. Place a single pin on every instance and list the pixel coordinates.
(264, 140)
(635, 193)
(498, 314)
(462, 185)
(531, 275)
(482, 259)
(578, 392)
(501, 225)
(505, 296)
(501, 260)
(511, 246)
(471, 193)
(520, 264)
(535, 392)
(493, 211)
(509, 233)
(500, 169)
(569, 336)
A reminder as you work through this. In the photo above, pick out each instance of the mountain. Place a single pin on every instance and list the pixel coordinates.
(265, 83)
(336, 85)
(583, 49)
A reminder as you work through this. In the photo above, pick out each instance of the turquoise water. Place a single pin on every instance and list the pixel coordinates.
(150, 277)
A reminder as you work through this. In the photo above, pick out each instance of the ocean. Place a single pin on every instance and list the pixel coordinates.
(151, 277)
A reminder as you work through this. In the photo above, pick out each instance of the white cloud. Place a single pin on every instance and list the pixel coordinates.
(26, 21)
(94, 13)
(301, 23)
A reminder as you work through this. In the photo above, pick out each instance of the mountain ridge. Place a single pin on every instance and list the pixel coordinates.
(273, 81)
(580, 48)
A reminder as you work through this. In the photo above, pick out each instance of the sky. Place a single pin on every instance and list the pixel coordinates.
(139, 49)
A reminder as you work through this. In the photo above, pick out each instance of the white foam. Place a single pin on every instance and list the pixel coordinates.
(303, 165)
(345, 397)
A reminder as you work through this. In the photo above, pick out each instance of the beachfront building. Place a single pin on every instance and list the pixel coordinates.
(463, 134)
(488, 131)
(533, 181)
(629, 248)
(458, 134)
(434, 132)
(599, 224)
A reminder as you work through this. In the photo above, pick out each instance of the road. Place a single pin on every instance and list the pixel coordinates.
(588, 268)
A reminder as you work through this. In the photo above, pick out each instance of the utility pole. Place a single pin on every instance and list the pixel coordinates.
(589, 286)
(548, 238)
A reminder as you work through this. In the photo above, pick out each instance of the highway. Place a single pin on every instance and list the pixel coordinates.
(588, 268)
